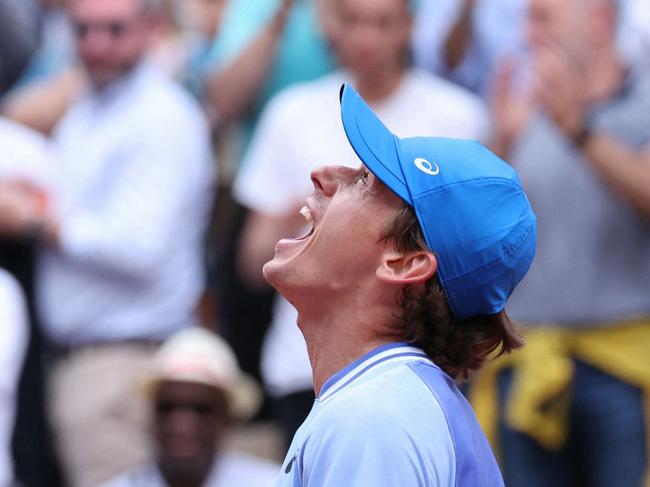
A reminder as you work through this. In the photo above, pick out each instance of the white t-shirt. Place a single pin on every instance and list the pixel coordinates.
(13, 342)
(230, 470)
(300, 130)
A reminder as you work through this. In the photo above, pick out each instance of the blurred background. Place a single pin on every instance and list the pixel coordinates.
(153, 151)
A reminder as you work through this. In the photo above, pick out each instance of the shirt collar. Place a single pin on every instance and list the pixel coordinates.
(380, 355)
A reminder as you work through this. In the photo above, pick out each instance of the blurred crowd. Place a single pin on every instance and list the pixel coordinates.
(153, 151)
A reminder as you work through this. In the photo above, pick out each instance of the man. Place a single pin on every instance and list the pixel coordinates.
(400, 285)
(373, 42)
(581, 146)
(196, 391)
(121, 267)
(25, 158)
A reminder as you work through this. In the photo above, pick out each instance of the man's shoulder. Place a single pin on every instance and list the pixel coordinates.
(163, 95)
(388, 400)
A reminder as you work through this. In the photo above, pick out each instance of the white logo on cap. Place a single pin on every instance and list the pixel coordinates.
(427, 167)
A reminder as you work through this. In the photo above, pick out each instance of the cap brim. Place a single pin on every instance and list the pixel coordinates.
(372, 141)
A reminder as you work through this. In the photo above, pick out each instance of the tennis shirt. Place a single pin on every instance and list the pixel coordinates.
(391, 418)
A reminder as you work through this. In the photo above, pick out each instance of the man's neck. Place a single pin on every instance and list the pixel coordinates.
(336, 340)
(376, 87)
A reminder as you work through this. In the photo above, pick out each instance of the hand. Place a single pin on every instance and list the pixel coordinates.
(510, 110)
(559, 87)
(22, 208)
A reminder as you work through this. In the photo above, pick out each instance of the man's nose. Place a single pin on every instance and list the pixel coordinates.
(327, 179)
(97, 40)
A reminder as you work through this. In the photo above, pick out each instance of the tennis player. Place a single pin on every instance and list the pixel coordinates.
(400, 287)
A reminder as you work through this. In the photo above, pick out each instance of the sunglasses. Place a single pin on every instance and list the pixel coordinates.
(115, 29)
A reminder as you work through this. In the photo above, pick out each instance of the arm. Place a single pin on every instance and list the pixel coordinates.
(234, 89)
(158, 184)
(626, 172)
(460, 36)
(42, 105)
(560, 89)
(510, 110)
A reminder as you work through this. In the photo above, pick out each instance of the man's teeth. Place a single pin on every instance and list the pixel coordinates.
(305, 211)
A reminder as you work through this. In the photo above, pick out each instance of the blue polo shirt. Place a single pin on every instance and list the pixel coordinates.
(391, 418)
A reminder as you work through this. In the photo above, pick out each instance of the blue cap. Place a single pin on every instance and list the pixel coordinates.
(472, 210)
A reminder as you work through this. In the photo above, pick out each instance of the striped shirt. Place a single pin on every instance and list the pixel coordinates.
(391, 418)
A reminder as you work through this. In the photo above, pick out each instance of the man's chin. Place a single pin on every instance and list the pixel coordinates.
(270, 271)
(278, 276)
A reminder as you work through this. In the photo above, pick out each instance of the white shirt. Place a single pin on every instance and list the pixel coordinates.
(230, 470)
(301, 129)
(634, 31)
(133, 188)
(13, 342)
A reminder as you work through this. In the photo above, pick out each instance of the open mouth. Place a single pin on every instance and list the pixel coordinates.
(306, 213)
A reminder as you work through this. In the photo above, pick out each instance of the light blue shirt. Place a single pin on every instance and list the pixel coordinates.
(391, 418)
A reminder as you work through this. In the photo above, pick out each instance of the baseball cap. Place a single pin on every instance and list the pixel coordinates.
(471, 207)
(199, 356)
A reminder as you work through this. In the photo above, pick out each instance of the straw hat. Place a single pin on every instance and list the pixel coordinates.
(199, 356)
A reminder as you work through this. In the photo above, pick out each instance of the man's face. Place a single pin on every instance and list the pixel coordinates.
(350, 210)
(112, 36)
(557, 24)
(189, 421)
(373, 36)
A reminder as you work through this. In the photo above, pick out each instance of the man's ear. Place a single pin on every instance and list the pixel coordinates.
(408, 268)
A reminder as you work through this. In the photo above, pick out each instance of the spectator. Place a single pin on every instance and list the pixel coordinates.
(121, 267)
(463, 39)
(196, 390)
(290, 141)
(262, 48)
(23, 165)
(572, 402)
(13, 317)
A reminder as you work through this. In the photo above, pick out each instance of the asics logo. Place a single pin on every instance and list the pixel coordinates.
(427, 167)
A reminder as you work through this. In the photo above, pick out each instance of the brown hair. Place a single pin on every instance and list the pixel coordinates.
(458, 346)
